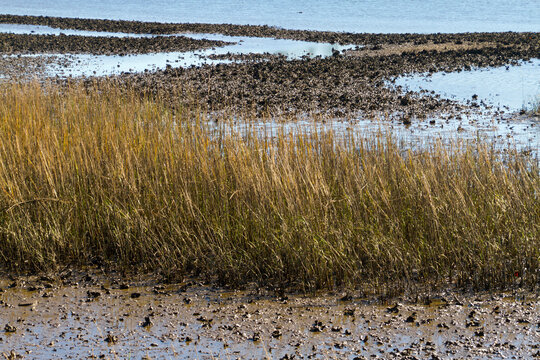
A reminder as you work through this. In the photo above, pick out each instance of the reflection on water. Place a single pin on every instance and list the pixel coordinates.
(509, 87)
(503, 134)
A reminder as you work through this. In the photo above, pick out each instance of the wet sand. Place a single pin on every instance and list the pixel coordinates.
(89, 316)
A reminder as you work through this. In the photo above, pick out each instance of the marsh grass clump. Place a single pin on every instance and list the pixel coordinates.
(88, 173)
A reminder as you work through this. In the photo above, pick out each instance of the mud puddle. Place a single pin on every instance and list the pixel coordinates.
(113, 319)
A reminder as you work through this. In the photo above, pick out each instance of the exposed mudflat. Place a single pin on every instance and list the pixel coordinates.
(342, 84)
(91, 316)
(63, 44)
(349, 83)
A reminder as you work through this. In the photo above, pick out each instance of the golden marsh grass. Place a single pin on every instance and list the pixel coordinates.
(104, 175)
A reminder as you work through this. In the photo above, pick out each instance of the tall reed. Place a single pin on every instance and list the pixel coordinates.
(103, 175)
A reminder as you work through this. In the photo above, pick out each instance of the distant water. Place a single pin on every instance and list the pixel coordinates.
(380, 16)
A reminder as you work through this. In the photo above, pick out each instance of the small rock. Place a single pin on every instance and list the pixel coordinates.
(26, 304)
(111, 339)
(479, 332)
(472, 323)
(147, 322)
(93, 294)
(317, 327)
(256, 336)
(411, 318)
(394, 309)
(10, 328)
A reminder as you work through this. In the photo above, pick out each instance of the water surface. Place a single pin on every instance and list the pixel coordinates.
(509, 87)
(104, 65)
(380, 16)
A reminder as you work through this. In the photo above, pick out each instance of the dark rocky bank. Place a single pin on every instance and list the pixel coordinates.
(69, 44)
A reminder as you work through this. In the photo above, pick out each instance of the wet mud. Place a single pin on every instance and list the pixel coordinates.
(66, 44)
(88, 316)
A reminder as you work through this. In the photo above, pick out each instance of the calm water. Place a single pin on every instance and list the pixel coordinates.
(509, 87)
(103, 65)
(422, 16)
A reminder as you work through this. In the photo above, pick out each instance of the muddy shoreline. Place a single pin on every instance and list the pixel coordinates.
(73, 314)
(343, 85)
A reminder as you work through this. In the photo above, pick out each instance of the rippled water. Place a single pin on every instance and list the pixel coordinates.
(385, 16)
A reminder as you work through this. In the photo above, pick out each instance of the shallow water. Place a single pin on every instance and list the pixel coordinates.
(503, 133)
(337, 15)
(509, 87)
(103, 65)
